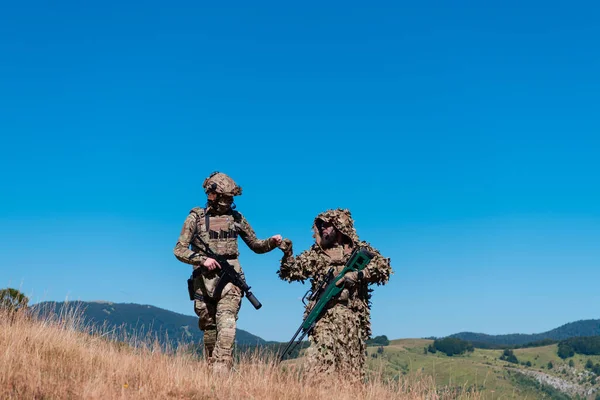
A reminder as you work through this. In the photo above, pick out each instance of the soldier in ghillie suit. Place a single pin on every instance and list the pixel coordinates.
(337, 342)
(214, 230)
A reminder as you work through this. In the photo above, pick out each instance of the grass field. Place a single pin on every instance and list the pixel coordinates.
(53, 359)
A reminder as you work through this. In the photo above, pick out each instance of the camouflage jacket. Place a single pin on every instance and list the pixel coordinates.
(315, 262)
(219, 233)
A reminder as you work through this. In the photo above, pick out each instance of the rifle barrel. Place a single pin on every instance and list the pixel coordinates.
(292, 344)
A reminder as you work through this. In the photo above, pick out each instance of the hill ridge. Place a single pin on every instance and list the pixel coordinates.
(141, 320)
(584, 327)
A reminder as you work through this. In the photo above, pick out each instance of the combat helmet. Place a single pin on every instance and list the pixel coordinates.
(221, 183)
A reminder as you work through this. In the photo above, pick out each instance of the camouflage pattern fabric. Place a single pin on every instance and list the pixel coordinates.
(217, 315)
(338, 339)
(337, 345)
(221, 238)
(222, 184)
(218, 322)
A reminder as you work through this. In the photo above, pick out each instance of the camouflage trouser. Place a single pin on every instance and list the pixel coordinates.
(217, 319)
(337, 346)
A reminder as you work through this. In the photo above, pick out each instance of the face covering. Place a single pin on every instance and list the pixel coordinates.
(222, 204)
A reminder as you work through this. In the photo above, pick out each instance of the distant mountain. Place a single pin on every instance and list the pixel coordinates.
(589, 327)
(140, 320)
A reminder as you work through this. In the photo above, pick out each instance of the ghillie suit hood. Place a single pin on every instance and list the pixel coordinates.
(341, 219)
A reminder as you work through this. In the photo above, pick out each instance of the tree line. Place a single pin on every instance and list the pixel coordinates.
(450, 346)
(588, 346)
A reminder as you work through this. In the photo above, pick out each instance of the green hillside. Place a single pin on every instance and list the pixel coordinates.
(142, 321)
(482, 369)
(590, 327)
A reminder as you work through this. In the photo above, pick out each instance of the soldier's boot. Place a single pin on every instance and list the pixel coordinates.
(210, 340)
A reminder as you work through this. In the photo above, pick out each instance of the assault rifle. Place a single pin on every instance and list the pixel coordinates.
(227, 274)
(324, 292)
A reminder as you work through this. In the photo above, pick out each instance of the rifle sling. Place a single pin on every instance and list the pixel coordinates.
(206, 221)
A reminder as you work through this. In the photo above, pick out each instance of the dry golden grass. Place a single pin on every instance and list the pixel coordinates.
(53, 359)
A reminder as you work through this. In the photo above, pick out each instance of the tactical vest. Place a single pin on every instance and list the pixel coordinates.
(218, 232)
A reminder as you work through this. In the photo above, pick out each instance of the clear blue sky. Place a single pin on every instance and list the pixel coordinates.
(463, 136)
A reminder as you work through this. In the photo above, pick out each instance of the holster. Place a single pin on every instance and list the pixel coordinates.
(191, 289)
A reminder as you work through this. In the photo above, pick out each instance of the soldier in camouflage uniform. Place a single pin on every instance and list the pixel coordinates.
(337, 342)
(217, 227)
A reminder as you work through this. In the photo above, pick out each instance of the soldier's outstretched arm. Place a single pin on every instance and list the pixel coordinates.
(249, 237)
(182, 249)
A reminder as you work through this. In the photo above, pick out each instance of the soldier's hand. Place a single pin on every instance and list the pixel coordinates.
(350, 278)
(277, 239)
(211, 264)
(286, 246)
